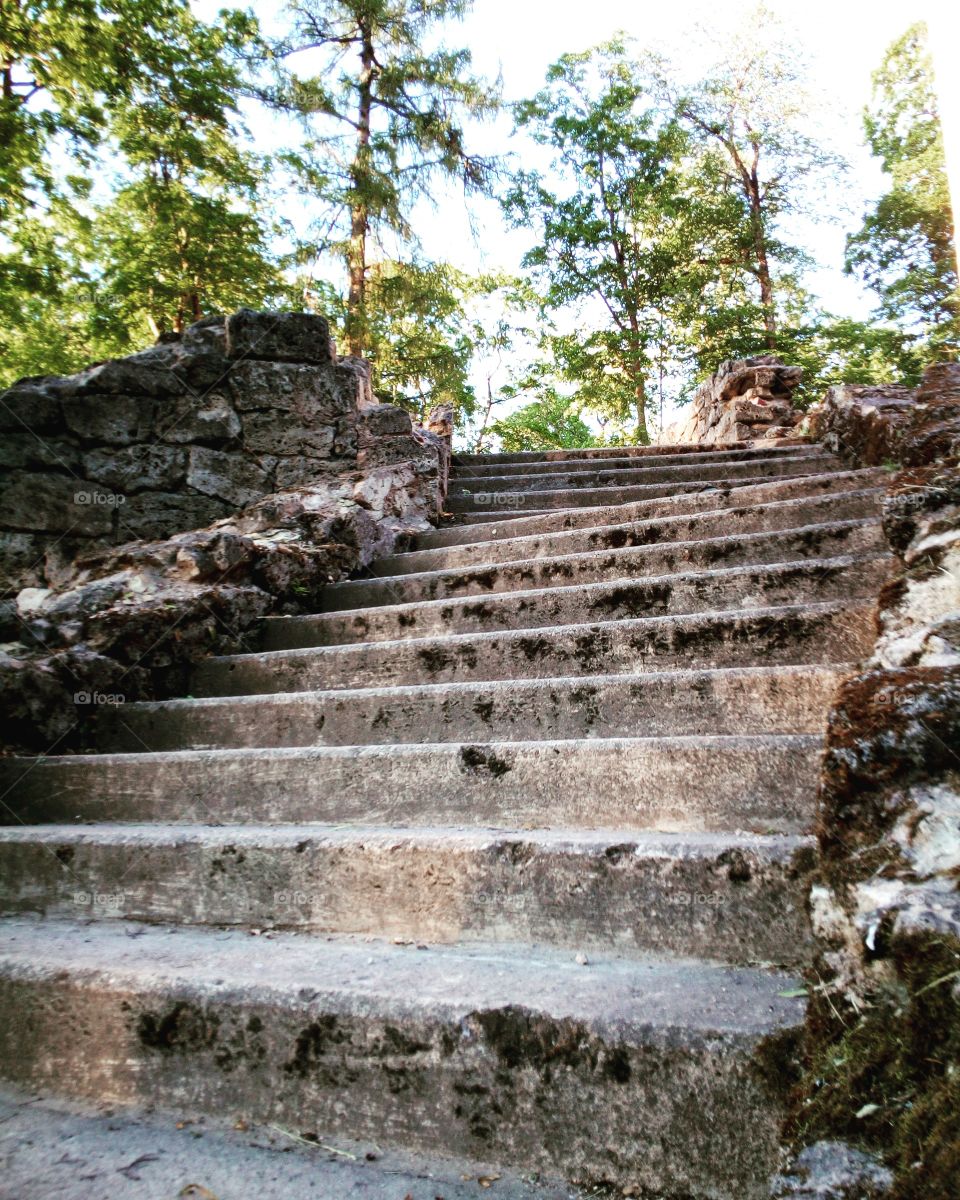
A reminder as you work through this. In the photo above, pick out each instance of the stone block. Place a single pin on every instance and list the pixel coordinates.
(752, 414)
(27, 452)
(293, 388)
(263, 434)
(389, 451)
(29, 407)
(359, 370)
(291, 472)
(207, 418)
(383, 420)
(160, 514)
(21, 560)
(279, 337)
(150, 373)
(54, 504)
(235, 478)
(137, 468)
(117, 420)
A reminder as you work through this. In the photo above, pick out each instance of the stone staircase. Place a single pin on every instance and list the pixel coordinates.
(521, 823)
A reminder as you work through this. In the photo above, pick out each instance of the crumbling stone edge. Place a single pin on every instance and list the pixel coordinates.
(241, 403)
(877, 1111)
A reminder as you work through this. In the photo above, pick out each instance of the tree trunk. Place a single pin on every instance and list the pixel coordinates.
(359, 212)
(763, 265)
(478, 444)
(635, 371)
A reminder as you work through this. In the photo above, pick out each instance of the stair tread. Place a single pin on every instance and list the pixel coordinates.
(584, 629)
(543, 746)
(477, 468)
(399, 692)
(763, 445)
(599, 495)
(459, 477)
(641, 998)
(617, 475)
(755, 538)
(565, 599)
(514, 547)
(660, 506)
(571, 840)
(234, 1160)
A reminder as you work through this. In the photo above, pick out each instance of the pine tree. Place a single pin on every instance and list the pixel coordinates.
(385, 117)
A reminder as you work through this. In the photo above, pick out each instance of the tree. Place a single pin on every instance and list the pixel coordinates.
(386, 119)
(905, 248)
(608, 245)
(747, 115)
(83, 276)
(550, 423)
(184, 236)
(428, 326)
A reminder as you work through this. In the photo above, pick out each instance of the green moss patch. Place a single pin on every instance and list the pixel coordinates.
(888, 1079)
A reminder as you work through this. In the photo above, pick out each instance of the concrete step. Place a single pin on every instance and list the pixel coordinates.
(732, 701)
(807, 580)
(146, 1155)
(594, 566)
(862, 504)
(507, 513)
(652, 1075)
(464, 467)
(783, 634)
(728, 897)
(764, 783)
(533, 483)
(515, 499)
(620, 512)
(691, 449)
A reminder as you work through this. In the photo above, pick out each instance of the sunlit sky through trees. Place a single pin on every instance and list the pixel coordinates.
(842, 42)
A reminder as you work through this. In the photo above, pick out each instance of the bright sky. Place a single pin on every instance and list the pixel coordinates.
(844, 41)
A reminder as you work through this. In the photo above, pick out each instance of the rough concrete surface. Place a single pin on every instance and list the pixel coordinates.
(55, 1149)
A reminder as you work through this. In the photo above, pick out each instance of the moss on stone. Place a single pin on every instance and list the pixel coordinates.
(888, 1078)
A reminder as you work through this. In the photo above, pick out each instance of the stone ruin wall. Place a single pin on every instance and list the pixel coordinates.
(745, 400)
(884, 1011)
(183, 434)
(155, 508)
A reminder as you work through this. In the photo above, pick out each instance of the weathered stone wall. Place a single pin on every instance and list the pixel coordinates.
(886, 423)
(744, 400)
(253, 417)
(180, 435)
(883, 1046)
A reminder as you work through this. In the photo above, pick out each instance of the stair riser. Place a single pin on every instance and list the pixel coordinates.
(771, 636)
(495, 467)
(578, 496)
(651, 706)
(470, 519)
(739, 906)
(728, 522)
(795, 583)
(680, 785)
(499, 1084)
(603, 453)
(470, 487)
(674, 505)
(813, 542)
